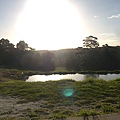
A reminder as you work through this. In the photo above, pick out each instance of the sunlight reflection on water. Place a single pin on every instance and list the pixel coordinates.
(76, 77)
(54, 77)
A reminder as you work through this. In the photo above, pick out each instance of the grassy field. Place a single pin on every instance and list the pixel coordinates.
(62, 98)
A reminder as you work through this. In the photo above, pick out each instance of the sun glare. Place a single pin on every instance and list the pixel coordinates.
(50, 24)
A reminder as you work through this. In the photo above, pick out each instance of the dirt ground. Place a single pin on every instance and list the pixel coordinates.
(115, 116)
(14, 107)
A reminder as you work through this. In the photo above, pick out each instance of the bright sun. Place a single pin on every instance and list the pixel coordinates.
(50, 24)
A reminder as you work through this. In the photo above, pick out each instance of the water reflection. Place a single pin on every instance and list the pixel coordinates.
(77, 77)
(91, 76)
(54, 77)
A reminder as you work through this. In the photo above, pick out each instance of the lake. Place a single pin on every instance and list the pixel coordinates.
(76, 77)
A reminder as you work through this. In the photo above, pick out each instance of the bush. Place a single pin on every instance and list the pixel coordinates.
(83, 112)
(108, 109)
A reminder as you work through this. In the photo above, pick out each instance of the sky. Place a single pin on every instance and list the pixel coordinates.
(60, 24)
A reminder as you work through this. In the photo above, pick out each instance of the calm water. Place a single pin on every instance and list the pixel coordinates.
(77, 77)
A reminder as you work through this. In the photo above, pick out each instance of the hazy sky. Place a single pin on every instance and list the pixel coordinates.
(58, 24)
(9, 13)
(102, 19)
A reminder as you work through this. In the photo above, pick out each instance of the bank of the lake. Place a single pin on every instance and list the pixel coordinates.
(15, 74)
(56, 99)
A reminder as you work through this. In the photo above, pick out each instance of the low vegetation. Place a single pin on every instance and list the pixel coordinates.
(90, 96)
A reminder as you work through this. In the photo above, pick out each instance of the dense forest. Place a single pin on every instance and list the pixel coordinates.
(90, 57)
(24, 57)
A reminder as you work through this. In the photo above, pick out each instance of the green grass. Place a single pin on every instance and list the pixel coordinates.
(86, 92)
(91, 95)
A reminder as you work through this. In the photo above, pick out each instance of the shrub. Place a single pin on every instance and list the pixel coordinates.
(108, 109)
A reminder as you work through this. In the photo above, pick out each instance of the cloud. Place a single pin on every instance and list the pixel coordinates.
(96, 16)
(112, 41)
(114, 16)
(106, 34)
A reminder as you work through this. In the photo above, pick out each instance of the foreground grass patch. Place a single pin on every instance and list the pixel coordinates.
(98, 95)
(29, 91)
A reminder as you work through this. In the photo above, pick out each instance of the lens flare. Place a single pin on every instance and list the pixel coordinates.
(68, 92)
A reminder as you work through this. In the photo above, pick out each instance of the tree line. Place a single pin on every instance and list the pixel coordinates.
(101, 58)
(91, 56)
(88, 57)
(24, 57)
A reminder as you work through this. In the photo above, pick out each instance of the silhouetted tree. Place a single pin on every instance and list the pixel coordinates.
(101, 58)
(22, 45)
(6, 45)
(6, 53)
(90, 42)
(106, 45)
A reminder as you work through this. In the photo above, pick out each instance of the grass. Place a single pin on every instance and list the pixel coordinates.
(86, 92)
(14, 74)
(91, 96)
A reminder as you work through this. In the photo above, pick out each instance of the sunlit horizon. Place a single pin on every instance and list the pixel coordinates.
(50, 24)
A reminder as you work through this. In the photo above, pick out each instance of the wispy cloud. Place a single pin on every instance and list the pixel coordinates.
(106, 34)
(113, 41)
(96, 16)
(109, 38)
(114, 16)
